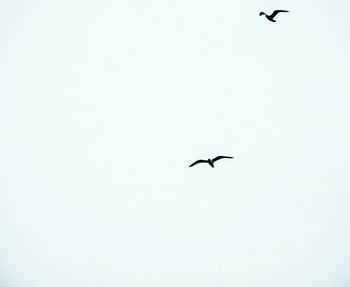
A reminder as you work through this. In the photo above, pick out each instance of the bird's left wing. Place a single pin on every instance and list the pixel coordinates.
(220, 157)
(276, 12)
(198, 161)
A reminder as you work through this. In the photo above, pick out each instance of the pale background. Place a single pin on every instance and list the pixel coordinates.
(104, 104)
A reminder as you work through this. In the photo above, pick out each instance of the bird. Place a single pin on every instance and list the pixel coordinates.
(273, 15)
(210, 161)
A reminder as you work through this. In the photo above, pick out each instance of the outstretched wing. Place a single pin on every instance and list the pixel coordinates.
(276, 12)
(198, 161)
(220, 157)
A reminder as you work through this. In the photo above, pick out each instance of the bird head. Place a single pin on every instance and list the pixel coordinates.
(261, 13)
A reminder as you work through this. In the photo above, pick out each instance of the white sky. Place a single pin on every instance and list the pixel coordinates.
(104, 104)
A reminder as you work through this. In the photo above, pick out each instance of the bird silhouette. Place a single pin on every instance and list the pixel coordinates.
(210, 161)
(273, 15)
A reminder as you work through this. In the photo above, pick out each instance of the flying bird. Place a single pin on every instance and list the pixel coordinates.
(273, 15)
(210, 161)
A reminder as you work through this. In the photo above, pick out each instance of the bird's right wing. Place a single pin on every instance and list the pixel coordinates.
(198, 161)
(220, 157)
(276, 12)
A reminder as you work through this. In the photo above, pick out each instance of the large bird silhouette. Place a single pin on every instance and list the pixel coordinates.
(273, 15)
(210, 161)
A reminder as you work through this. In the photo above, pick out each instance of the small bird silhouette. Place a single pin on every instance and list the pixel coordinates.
(210, 161)
(273, 15)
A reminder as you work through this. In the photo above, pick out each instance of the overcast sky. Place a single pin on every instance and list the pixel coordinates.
(104, 104)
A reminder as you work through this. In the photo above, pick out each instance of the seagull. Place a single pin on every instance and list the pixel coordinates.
(210, 161)
(273, 15)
